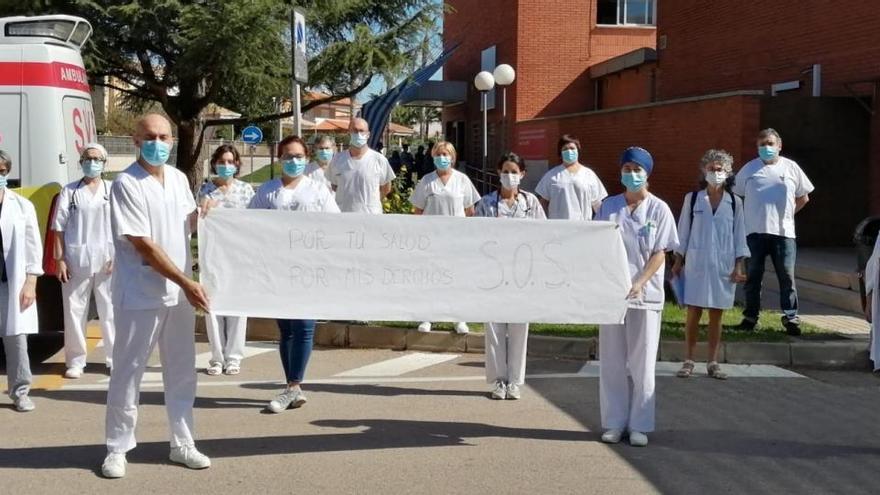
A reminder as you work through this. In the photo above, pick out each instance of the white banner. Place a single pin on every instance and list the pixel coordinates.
(282, 264)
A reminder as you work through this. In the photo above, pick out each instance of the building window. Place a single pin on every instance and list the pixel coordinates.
(626, 12)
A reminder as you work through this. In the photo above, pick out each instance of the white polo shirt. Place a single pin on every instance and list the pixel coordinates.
(357, 180)
(142, 207)
(769, 193)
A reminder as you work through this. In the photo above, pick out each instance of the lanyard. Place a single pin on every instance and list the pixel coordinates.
(72, 203)
(515, 204)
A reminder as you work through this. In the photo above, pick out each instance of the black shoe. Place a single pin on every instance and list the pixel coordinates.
(792, 327)
(746, 325)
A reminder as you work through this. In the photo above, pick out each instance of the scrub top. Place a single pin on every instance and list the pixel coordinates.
(84, 217)
(358, 180)
(308, 195)
(450, 199)
(648, 229)
(144, 207)
(318, 174)
(526, 205)
(769, 192)
(571, 196)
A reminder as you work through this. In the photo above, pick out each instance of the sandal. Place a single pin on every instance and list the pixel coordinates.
(687, 369)
(714, 371)
(233, 369)
(214, 369)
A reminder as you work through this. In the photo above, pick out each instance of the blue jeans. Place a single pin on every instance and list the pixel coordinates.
(295, 347)
(782, 251)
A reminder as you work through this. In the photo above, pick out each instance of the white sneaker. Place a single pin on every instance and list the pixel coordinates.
(612, 436)
(513, 392)
(189, 457)
(462, 328)
(638, 439)
(73, 373)
(425, 327)
(291, 398)
(114, 465)
(500, 391)
(24, 404)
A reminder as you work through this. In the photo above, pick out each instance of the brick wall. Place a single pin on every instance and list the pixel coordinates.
(676, 134)
(721, 46)
(628, 87)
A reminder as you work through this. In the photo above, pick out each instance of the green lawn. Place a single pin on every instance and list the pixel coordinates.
(673, 327)
(262, 175)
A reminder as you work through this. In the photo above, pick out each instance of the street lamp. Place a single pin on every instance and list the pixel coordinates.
(484, 83)
(504, 77)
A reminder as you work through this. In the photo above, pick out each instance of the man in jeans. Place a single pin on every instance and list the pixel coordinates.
(774, 189)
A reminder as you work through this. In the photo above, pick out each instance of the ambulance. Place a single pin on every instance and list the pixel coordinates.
(46, 117)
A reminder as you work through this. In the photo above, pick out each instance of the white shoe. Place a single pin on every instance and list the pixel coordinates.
(189, 457)
(462, 328)
(425, 327)
(638, 439)
(513, 392)
(500, 391)
(73, 373)
(612, 436)
(291, 398)
(24, 404)
(114, 465)
(214, 369)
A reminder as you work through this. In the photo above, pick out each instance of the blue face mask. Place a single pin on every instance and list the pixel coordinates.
(225, 171)
(2, 182)
(442, 162)
(324, 155)
(155, 152)
(294, 167)
(359, 139)
(92, 168)
(569, 156)
(767, 153)
(633, 181)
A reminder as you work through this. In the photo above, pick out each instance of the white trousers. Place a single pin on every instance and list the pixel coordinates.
(627, 360)
(76, 294)
(506, 352)
(137, 333)
(227, 336)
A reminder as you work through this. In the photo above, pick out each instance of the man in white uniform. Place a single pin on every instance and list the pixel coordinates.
(362, 177)
(774, 189)
(152, 215)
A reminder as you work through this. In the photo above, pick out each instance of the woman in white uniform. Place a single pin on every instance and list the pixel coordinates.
(712, 250)
(23, 257)
(570, 191)
(506, 342)
(83, 252)
(445, 192)
(325, 148)
(872, 306)
(294, 192)
(628, 352)
(226, 334)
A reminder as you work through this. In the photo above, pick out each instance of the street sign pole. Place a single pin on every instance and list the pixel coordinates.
(299, 64)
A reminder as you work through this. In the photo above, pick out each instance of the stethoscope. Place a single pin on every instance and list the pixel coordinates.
(515, 203)
(72, 203)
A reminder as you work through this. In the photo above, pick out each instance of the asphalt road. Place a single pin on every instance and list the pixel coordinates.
(391, 422)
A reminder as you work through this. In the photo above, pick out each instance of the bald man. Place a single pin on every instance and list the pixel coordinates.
(360, 176)
(152, 214)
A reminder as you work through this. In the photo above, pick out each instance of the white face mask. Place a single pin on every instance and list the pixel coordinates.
(716, 178)
(510, 180)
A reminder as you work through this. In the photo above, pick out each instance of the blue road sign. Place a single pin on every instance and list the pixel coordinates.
(252, 135)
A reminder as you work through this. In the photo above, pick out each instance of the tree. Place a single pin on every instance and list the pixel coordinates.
(186, 55)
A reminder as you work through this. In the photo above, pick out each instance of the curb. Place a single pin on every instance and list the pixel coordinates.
(849, 354)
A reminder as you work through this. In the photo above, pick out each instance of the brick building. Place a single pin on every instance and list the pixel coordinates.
(711, 74)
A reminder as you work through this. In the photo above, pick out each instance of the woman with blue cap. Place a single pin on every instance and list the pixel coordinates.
(629, 350)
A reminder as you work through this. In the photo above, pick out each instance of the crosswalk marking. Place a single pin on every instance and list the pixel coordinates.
(400, 365)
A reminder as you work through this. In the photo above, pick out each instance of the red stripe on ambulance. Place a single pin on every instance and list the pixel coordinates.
(54, 75)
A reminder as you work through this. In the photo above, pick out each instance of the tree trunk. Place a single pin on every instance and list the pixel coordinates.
(189, 151)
